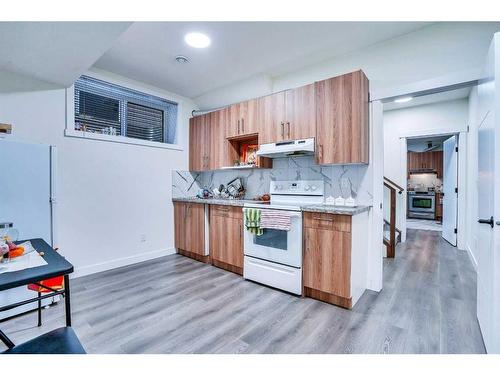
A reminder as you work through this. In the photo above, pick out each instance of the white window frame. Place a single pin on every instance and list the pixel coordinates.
(70, 131)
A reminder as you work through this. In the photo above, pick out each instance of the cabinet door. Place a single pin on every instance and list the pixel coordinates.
(272, 118)
(194, 230)
(300, 113)
(219, 155)
(199, 143)
(226, 236)
(327, 261)
(179, 225)
(243, 118)
(342, 127)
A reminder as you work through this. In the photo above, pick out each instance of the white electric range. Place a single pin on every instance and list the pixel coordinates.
(275, 257)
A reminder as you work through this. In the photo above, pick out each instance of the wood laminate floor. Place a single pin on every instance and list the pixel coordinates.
(178, 305)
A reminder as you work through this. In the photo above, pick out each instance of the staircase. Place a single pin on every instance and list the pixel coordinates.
(392, 235)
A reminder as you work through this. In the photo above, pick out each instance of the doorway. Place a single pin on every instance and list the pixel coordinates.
(432, 184)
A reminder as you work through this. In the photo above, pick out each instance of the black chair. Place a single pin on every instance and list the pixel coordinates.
(59, 341)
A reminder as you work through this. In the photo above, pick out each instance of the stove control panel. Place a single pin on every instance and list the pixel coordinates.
(300, 187)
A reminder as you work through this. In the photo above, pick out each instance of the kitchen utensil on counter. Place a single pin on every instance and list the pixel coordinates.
(204, 194)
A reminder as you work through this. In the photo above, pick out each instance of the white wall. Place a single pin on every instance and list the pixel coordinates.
(427, 53)
(109, 194)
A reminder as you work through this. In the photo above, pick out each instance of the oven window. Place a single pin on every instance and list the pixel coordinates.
(422, 203)
(272, 238)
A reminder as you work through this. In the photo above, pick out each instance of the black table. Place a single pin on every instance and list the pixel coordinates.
(56, 266)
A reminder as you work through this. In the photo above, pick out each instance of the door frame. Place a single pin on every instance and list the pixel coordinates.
(461, 173)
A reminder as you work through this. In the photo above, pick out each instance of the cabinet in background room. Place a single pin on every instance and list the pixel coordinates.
(226, 237)
(189, 233)
(342, 123)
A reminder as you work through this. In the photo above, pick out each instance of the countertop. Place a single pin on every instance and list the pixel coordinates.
(325, 208)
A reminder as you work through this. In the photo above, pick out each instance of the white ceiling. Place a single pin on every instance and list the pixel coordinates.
(429, 99)
(239, 50)
(52, 52)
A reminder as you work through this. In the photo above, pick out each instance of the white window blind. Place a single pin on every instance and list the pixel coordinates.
(102, 107)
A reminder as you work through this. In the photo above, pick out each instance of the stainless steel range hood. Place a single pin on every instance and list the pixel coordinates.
(287, 148)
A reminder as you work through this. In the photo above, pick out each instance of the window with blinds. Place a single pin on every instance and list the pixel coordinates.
(105, 108)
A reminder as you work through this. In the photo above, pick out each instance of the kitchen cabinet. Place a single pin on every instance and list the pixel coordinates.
(199, 143)
(439, 207)
(219, 151)
(189, 233)
(272, 113)
(432, 160)
(243, 118)
(226, 237)
(287, 115)
(334, 265)
(342, 123)
(300, 117)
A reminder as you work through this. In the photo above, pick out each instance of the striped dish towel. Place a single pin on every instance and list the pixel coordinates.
(252, 221)
(277, 219)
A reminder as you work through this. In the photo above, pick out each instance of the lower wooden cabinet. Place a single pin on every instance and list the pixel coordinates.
(189, 234)
(335, 265)
(226, 237)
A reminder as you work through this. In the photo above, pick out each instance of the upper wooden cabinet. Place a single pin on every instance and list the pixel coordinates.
(242, 119)
(334, 111)
(342, 123)
(199, 143)
(300, 113)
(219, 150)
(271, 109)
(287, 115)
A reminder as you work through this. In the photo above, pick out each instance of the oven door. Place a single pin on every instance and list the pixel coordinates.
(422, 203)
(279, 246)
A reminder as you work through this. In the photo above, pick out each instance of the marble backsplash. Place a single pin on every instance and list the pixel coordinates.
(345, 180)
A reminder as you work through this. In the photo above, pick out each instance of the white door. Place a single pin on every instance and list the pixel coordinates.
(450, 183)
(488, 258)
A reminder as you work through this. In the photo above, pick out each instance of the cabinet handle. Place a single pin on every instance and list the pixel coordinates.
(323, 218)
(288, 124)
(242, 125)
(238, 126)
(282, 129)
(241, 231)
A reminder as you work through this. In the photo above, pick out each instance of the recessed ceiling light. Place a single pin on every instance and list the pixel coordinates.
(181, 59)
(197, 40)
(404, 99)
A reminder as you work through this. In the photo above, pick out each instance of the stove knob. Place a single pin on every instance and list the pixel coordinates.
(279, 187)
(313, 187)
(307, 187)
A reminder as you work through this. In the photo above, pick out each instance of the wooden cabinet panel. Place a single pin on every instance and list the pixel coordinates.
(199, 143)
(226, 237)
(340, 223)
(219, 155)
(272, 118)
(243, 118)
(300, 113)
(342, 125)
(327, 261)
(189, 222)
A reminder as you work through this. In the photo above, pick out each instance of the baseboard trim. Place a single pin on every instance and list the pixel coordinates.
(471, 257)
(121, 262)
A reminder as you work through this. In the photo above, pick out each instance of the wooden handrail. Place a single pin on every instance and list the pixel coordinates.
(396, 228)
(388, 182)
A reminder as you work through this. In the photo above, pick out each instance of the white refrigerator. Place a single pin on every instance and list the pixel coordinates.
(27, 198)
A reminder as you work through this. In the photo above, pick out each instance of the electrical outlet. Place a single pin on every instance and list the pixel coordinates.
(143, 238)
